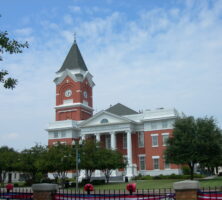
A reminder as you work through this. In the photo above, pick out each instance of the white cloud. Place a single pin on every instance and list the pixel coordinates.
(75, 9)
(163, 58)
(24, 31)
(68, 19)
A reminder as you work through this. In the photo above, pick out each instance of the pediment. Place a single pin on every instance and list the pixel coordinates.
(104, 118)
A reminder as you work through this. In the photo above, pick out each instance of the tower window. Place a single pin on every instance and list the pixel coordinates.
(103, 121)
(85, 94)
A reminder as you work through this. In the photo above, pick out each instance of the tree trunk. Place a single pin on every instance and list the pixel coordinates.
(191, 165)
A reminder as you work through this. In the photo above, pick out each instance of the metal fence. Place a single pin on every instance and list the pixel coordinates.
(155, 194)
(210, 193)
(16, 193)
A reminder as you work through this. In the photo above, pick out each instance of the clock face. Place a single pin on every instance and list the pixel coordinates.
(68, 93)
(85, 94)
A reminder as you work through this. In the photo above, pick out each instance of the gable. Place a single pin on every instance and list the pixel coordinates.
(104, 118)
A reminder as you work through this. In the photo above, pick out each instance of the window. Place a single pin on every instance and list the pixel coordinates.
(142, 162)
(166, 165)
(56, 134)
(85, 94)
(141, 139)
(155, 163)
(63, 134)
(153, 125)
(103, 121)
(164, 124)
(108, 142)
(15, 175)
(124, 141)
(165, 138)
(154, 140)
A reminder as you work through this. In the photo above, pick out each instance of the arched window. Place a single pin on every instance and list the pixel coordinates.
(103, 121)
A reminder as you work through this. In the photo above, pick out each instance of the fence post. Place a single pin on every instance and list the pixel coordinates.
(44, 191)
(186, 190)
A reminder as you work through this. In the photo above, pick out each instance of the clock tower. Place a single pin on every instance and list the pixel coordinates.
(74, 98)
(73, 88)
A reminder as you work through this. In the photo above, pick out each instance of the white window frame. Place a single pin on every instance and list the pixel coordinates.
(152, 136)
(163, 141)
(141, 139)
(124, 141)
(156, 158)
(144, 157)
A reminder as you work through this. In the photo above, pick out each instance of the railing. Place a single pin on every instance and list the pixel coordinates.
(210, 193)
(16, 193)
(155, 194)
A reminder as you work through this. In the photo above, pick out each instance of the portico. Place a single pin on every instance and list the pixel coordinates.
(106, 133)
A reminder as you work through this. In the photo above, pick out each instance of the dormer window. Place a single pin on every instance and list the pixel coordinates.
(103, 121)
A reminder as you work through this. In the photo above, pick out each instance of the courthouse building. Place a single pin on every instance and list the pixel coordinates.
(140, 136)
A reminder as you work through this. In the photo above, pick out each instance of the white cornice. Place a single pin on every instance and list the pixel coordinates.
(74, 76)
(74, 105)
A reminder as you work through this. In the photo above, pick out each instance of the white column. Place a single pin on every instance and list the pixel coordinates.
(83, 137)
(97, 137)
(97, 172)
(129, 170)
(113, 140)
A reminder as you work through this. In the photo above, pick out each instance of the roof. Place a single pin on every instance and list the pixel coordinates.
(74, 60)
(120, 109)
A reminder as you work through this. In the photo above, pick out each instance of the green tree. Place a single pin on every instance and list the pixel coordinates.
(110, 160)
(194, 141)
(10, 46)
(31, 162)
(89, 157)
(8, 161)
(59, 159)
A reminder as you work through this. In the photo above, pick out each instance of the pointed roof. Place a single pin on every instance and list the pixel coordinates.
(74, 60)
(120, 109)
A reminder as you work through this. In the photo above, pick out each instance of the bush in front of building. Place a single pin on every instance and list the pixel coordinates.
(171, 176)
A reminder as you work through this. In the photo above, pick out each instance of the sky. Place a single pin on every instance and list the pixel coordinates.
(144, 54)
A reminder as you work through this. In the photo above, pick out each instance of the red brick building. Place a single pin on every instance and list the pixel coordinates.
(141, 137)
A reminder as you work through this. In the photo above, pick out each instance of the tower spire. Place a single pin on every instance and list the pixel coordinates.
(74, 37)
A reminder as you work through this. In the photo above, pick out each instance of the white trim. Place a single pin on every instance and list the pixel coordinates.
(74, 105)
(87, 112)
(153, 157)
(164, 133)
(141, 155)
(156, 134)
(67, 110)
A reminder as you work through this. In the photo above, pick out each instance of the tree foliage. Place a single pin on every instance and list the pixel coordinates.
(8, 161)
(31, 162)
(110, 160)
(59, 159)
(10, 46)
(89, 157)
(194, 141)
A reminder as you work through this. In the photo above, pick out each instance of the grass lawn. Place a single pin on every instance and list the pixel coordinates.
(156, 184)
